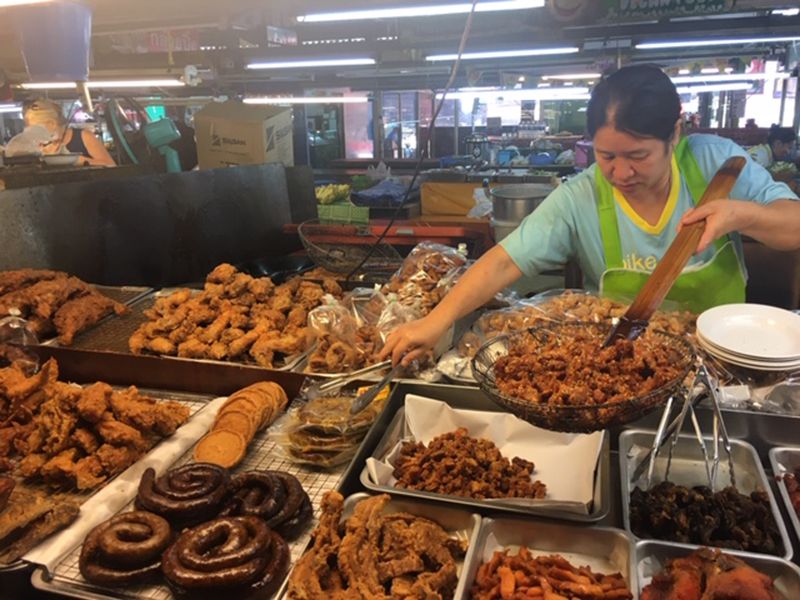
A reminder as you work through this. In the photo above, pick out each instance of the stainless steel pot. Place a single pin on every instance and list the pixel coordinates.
(512, 203)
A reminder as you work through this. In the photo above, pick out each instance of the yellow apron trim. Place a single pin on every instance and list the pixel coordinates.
(669, 207)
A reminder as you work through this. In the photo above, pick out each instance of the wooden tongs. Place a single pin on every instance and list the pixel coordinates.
(658, 285)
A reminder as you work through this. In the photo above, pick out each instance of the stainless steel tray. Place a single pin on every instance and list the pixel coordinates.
(651, 556)
(112, 334)
(396, 431)
(786, 460)
(688, 469)
(457, 522)
(603, 549)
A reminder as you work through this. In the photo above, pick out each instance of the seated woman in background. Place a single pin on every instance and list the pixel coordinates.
(780, 143)
(79, 141)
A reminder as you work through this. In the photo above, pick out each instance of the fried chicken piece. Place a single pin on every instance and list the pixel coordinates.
(147, 415)
(261, 288)
(262, 351)
(138, 341)
(160, 345)
(298, 316)
(229, 335)
(60, 469)
(23, 509)
(212, 333)
(16, 385)
(79, 313)
(11, 281)
(32, 464)
(263, 315)
(240, 345)
(218, 351)
(236, 286)
(85, 440)
(89, 473)
(330, 286)
(281, 302)
(6, 487)
(116, 459)
(167, 304)
(193, 348)
(223, 274)
(120, 434)
(43, 298)
(94, 402)
(57, 419)
(61, 515)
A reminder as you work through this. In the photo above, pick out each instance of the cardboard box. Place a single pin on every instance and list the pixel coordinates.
(233, 133)
(445, 198)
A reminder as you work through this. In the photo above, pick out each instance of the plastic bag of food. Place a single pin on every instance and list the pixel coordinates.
(416, 283)
(332, 332)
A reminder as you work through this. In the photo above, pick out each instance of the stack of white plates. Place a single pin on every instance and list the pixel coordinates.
(754, 336)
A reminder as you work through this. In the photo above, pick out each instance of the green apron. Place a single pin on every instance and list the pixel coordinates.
(719, 281)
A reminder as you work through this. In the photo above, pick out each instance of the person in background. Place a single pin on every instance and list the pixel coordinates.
(780, 143)
(79, 141)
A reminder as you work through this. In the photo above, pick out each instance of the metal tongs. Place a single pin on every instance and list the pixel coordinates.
(704, 385)
(319, 388)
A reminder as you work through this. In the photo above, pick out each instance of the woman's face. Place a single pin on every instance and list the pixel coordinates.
(632, 164)
(781, 150)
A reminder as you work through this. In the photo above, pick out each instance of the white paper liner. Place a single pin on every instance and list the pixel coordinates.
(112, 498)
(565, 462)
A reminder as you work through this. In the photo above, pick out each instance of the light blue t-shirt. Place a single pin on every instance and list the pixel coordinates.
(566, 225)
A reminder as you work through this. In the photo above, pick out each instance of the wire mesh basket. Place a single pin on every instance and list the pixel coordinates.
(577, 418)
(342, 248)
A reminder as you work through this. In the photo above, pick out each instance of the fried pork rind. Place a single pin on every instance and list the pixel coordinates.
(375, 555)
(234, 318)
(77, 437)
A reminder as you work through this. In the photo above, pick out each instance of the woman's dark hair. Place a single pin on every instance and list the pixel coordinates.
(639, 100)
(781, 134)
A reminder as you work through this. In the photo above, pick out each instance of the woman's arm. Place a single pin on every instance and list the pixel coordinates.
(99, 155)
(776, 224)
(490, 274)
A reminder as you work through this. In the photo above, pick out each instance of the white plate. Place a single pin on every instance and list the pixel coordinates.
(709, 345)
(749, 363)
(61, 160)
(754, 330)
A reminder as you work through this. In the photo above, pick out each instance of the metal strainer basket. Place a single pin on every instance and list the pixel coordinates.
(578, 418)
(342, 248)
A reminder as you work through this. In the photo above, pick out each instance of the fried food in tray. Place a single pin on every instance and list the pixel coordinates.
(724, 519)
(74, 437)
(456, 464)
(708, 575)
(525, 577)
(376, 555)
(53, 302)
(419, 283)
(793, 489)
(322, 431)
(28, 518)
(234, 318)
(244, 414)
(573, 369)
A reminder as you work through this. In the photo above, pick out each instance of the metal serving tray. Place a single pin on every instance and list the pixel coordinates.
(604, 549)
(457, 522)
(786, 460)
(396, 431)
(688, 469)
(112, 334)
(651, 556)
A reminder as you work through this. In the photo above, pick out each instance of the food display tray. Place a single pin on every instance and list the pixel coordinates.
(396, 431)
(604, 549)
(785, 460)
(457, 522)
(650, 557)
(262, 454)
(126, 294)
(112, 334)
(688, 469)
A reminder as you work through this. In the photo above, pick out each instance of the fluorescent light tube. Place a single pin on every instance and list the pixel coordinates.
(505, 53)
(728, 77)
(786, 12)
(309, 100)
(10, 109)
(719, 87)
(418, 11)
(572, 93)
(132, 83)
(300, 64)
(727, 42)
(572, 76)
(4, 3)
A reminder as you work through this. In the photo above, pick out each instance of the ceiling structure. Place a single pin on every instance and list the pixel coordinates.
(133, 40)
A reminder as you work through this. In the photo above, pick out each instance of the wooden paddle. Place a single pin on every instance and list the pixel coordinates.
(658, 285)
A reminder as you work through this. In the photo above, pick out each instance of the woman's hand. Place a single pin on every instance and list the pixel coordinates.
(412, 340)
(721, 218)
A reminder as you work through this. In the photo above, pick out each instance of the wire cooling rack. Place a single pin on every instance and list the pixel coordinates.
(262, 454)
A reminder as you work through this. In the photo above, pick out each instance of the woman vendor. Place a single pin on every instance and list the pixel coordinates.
(780, 143)
(79, 141)
(618, 217)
